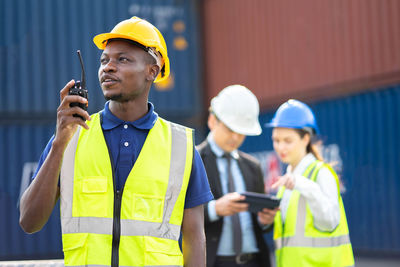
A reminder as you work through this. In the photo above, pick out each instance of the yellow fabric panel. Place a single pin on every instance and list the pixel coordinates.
(147, 182)
(93, 183)
(147, 208)
(149, 251)
(77, 252)
(289, 227)
(159, 250)
(291, 215)
(177, 214)
(277, 225)
(131, 251)
(342, 228)
(347, 255)
(278, 222)
(310, 257)
(75, 249)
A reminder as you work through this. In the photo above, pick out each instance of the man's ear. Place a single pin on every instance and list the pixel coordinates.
(212, 120)
(153, 71)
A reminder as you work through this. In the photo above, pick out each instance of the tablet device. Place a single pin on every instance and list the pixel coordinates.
(259, 201)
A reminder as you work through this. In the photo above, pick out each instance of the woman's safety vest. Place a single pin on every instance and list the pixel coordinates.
(137, 226)
(298, 243)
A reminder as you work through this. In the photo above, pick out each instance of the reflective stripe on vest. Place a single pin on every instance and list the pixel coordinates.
(300, 239)
(166, 226)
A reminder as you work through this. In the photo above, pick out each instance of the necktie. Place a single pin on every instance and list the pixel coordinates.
(236, 230)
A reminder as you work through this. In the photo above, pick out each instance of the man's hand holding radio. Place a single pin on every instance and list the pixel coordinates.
(67, 123)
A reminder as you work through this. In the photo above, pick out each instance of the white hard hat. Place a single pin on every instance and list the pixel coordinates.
(237, 107)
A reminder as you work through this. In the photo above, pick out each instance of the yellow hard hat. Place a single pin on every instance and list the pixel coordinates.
(144, 33)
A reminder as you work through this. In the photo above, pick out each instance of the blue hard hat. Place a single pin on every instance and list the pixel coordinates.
(294, 114)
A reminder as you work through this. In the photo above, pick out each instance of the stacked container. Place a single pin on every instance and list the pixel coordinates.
(309, 49)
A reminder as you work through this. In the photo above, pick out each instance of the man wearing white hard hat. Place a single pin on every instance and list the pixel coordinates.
(234, 236)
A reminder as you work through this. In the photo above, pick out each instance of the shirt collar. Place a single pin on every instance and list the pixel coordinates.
(303, 164)
(217, 150)
(147, 122)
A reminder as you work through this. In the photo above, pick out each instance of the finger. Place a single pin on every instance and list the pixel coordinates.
(240, 207)
(66, 117)
(235, 196)
(73, 121)
(278, 183)
(284, 180)
(78, 121)
(268, 214)
(269, 211)
(81, 112)
(263, 216)
(83, 124)
(265, 211)
(66, 103)
(67, 100)
(293, 180)
(265, 219)
(65, 90)
(75, 110)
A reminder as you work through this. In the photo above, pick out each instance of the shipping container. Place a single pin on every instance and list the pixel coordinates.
(360, 135)
(310, 49)
(39, 40)
(38, 43)
(21, 146)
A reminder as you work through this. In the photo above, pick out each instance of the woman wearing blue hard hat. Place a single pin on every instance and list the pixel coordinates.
(311, 227)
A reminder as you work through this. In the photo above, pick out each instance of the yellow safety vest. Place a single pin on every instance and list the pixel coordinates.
(298, 243)
(139, 226)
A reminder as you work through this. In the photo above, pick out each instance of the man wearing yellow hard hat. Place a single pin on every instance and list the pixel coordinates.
(129, 182)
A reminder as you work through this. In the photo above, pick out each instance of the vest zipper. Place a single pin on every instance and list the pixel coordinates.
(116, 229)
(116, 234)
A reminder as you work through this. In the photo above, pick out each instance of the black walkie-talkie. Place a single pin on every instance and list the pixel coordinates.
(79, 89)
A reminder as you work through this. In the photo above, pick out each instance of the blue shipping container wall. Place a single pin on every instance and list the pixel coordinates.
(21, 146)
(38, 43)
(39, 39)
(366, 129)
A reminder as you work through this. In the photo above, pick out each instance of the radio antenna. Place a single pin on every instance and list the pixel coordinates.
(83, 82)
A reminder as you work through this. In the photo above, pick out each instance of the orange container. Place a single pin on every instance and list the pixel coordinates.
(309, 49)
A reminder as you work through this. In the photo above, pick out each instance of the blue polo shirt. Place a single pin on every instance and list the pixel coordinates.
(125, 141)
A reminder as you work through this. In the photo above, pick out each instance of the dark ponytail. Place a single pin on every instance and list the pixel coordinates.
(311, 147)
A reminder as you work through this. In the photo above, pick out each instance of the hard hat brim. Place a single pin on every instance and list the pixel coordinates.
(280, 125)
(248, 130)
(254, 131)
(100, 40)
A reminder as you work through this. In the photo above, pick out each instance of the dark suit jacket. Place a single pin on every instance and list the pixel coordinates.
(253, 179)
